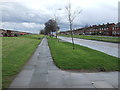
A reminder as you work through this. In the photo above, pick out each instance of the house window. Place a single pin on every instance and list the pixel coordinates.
(113, 28)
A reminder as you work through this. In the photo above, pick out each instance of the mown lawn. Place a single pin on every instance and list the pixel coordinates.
(16, 51)
(98, 38)
(81, 58)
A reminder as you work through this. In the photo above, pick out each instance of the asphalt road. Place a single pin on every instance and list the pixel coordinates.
(106, 47)
(41, 72)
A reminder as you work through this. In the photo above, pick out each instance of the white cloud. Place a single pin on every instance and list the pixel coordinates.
(32, 14)
(28, 27)
(32, 25)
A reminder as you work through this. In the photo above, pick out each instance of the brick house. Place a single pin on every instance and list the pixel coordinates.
(116, 30)
(10, 33)
(105, 29)
(1, 32)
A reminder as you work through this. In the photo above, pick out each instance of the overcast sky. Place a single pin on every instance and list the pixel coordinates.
(30, 15)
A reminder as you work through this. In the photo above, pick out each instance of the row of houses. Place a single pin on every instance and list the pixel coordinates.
(11, 33)
(109, 29)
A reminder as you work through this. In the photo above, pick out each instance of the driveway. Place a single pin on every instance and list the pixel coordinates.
(41, 72)
(105, 47)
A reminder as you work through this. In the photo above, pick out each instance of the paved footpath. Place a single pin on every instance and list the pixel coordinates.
(40, 72)
(105, 47)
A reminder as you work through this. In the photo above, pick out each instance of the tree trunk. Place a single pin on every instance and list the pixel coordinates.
(56, 34)
(72, 35)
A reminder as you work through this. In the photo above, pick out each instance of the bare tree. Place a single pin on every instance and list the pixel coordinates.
(71, 17)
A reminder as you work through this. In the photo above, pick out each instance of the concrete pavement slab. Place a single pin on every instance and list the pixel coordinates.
(22, 80)
(93, 76)
(102, 84)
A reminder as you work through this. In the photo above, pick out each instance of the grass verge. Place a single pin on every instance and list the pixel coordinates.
(97, 38)
(82, 58)
(16, 51)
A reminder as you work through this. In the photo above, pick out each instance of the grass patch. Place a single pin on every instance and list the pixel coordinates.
(98, 38)
(16, 51)
(82, 58)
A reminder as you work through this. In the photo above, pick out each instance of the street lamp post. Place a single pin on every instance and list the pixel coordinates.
(56, 19)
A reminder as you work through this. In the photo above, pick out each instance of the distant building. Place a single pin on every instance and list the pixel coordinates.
(109, 29)
(1, 31)
(11, 33)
